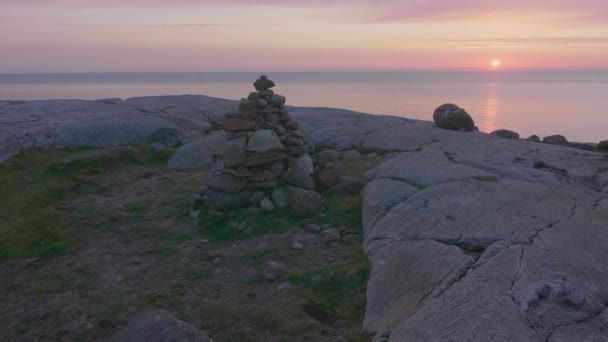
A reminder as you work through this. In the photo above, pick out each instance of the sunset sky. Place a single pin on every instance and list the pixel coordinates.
(275, 35)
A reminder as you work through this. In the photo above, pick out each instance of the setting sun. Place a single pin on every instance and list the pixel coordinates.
(495, 63)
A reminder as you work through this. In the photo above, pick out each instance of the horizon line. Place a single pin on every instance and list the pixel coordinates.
(604, 69)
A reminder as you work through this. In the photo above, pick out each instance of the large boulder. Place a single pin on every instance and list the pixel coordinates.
(303, 202)
(505, 133)
(603, 145)
(450, 116)
(159, 326)
(199, 154)
(555, 140)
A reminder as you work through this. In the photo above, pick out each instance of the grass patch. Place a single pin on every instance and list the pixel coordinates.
(221, 226)
(33, 186)
(357, 167)
(343, 210)
(338, 291)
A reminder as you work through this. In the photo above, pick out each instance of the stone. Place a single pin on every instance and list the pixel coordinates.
(226, 182)
(300, 178)
(242, 226)
(603, 145)
(351, 155)
(327, 156)
(257, 197)
(278, 99)
(505, 133)
(248, 110)
(159, 326)
(195, 214)
(555, 140)
(262, 103)
(229, 200)
(315, 228)
(331, 237)
(273, 119)
(233, 155)
(296, 245)
(238, 125)
(272, 270)
(262, 185)
(450, 116)
(291, 125)
(264, 159)
(297, 150)
(266, 93)
(326, 178)
(236, 135)
(266, 204)
(264, 141)
(305, 163)
(279, 198)
(263, 83)
(347, 185)
(534, 138)
(294, 141)
(303, 202)
(197, 155)
(241, 172)
(328, 229)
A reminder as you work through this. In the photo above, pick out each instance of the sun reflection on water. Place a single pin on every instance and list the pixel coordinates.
(490, 110)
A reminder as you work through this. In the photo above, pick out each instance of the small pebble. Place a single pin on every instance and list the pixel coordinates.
(315, 228)
(331, 237)
(296, 245)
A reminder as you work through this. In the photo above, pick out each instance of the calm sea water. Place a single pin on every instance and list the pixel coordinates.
(539, 102)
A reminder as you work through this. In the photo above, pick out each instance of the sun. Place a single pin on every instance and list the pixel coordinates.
(496, 63)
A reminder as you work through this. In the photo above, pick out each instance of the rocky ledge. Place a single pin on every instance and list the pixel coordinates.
(472, 237)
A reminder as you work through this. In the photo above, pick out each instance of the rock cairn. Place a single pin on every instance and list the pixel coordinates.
(264, 162)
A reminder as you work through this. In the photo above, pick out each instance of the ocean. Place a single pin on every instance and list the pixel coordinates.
(570, 103)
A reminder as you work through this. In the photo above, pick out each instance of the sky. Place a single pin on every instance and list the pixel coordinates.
(283, 35)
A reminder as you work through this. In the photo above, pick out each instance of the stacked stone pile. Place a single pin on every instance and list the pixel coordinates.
(265, 160)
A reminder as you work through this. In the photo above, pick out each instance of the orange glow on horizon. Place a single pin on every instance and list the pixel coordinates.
(496, 63)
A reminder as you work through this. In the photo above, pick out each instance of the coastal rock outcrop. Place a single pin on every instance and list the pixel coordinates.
(450, 116)
(505, 133)
(555, 140)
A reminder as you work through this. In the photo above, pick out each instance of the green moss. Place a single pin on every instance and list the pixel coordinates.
(343, 210)
(219, 226)
(338, 291)
(33, 186)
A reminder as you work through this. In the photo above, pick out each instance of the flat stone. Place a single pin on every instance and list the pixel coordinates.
(263, 83)
(238, 125)
(262, 185)
(278, 99)
(226, 182)
(264, 159)
(291, 125)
